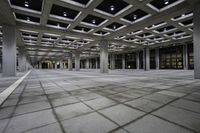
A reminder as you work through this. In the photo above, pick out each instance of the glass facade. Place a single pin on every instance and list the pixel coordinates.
(190, 57)
(130, 61)
(171, 57)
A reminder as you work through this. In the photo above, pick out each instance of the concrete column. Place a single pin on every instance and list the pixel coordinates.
(96, 63)
(123, 61)
(90, 63)
(185, 57)
(87, 65)
(112, 61)
(146, 58)
(77, 61)
(9, 50)
(56, 65)
(22, 60)
(104, 57)
(70, 62)
(196, 41)
(51, 64)
(157, 59)
(61, 64)
(138, 60)
(40, 65)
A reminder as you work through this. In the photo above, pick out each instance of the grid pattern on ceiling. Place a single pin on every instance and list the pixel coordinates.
(127, 23)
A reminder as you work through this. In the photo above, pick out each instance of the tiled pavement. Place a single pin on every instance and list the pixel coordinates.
(5, 82)
(58, 101)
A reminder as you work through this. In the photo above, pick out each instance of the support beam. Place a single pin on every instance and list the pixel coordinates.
(157, 58)
(104, 56)
(196, 35)
(185, 57)
(77, 61)
(70, 62)
(9, 50)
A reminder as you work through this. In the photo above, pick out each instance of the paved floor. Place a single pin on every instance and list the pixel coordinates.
(5, 82)
(58, 101)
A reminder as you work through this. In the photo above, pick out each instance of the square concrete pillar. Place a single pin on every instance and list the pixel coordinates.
(123, 61)
(87, 65)
(96, 63)
(70, 62)
(104, 57)
(61, 64)
(185, 57)
(196, 41)
(138, 60)
(77, 61)
(112, 61)
(22, 63)
(157, 58)
(146, 59)
(40, 65)
(9, 50)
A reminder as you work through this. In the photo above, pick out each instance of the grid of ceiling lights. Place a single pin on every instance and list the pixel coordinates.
(150, 39)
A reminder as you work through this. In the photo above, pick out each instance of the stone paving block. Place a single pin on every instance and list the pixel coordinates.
(182, 117)
(170, 93)
(64, 101)
(160, 98)
(51, 128)
(10, 102)
(88, 96)
(3, 124)
(91, 123)
(121, 114)
(25, 122)
(32, 107)
(193, 96)
(79, 91)
(32, 99)
(72, 110)
(58, 95)
(120, 97)
(152, 124)
(100, 103)
(144, 104)
(6, 112)
(186, 104)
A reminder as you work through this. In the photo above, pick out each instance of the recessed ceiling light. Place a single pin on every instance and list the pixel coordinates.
(112, 7)
(166, 2)
(93, 21)
(28, 19)
(183, 15)
(65, 14)
(134, 17)
(26, 4)
(114, 27)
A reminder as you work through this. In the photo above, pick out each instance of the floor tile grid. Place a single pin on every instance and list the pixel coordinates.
(24, 84)
(150, 112)
(53, 110)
